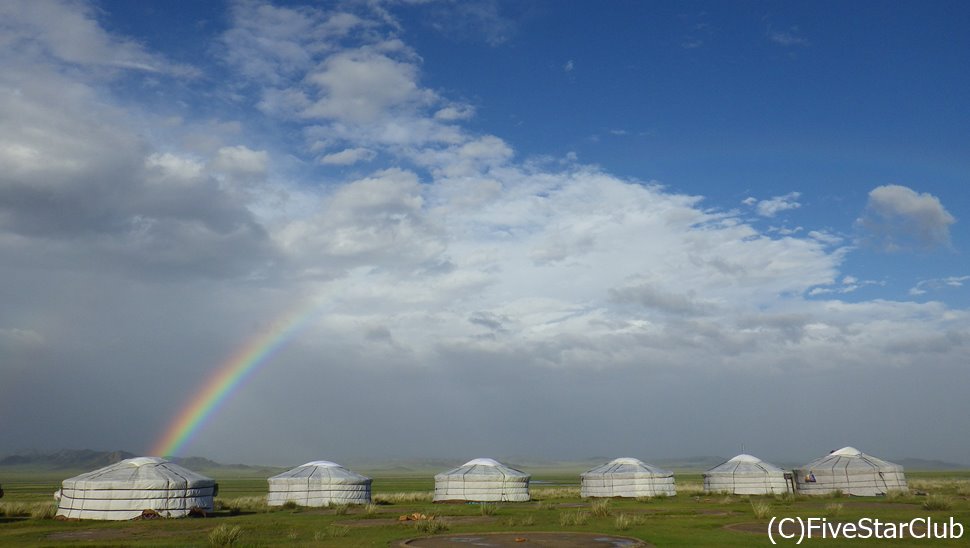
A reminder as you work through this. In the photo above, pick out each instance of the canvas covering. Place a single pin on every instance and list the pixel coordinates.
(852, 472)
(319, 483)
(127, 488)
(482, 480)
(746, 475)
(627, 477)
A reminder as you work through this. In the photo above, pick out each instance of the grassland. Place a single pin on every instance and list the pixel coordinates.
(692, 518)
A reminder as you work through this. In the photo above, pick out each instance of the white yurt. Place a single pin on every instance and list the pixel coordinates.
(124, 490)
(746, 475)
(627, 477)
(319, 483)
(850, 471)
(482, 480)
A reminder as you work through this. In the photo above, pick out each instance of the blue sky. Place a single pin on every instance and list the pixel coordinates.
(735, 198)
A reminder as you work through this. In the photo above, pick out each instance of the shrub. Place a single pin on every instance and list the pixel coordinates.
(224, 535)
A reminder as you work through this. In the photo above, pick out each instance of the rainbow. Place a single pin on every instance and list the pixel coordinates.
(229, 376)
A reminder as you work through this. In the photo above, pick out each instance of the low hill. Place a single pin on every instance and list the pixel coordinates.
(88, 459)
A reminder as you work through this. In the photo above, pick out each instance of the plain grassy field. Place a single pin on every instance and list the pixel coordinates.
(689, 519)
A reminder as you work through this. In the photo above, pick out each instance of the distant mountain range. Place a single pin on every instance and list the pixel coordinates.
(87, 459)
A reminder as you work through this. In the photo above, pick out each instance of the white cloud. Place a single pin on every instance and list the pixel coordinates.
(69, 32)
(348, 156)
(897, 218)
(453, 263)
(455, 112)
(360, 86)
(936, 284)
(773, 206)
(241, 161)
(848, 284)
(569, 66)
(787, 38)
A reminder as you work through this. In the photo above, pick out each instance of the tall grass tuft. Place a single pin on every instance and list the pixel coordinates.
(488, 509)
(833, 509)
(431, 526)
(523, 521)
(760, 508)
(239, 505)
(785, 498)
(403, 497)
(224, 535)
(573, 517)
(896, 494)
(340, 509)
(936, 502)
(626, 521)
(43, 510)
(544, 493)
(600, 508)
(36, 510)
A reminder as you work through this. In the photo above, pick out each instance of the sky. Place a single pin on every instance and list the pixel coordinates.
(538, 229)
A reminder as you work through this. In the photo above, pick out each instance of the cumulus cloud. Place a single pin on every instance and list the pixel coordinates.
(897, 218)
(443, 266)
(359, 86)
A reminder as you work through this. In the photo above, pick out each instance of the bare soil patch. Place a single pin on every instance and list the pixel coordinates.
(450, 520)
(557, 539)
(88, 535)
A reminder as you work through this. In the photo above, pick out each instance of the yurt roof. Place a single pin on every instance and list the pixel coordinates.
(628, 465)
(850, 457)
(485, 467)
(745, 463)
(320, 469)
(139, 472)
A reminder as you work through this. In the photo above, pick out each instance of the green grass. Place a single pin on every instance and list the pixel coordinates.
(242, 517)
